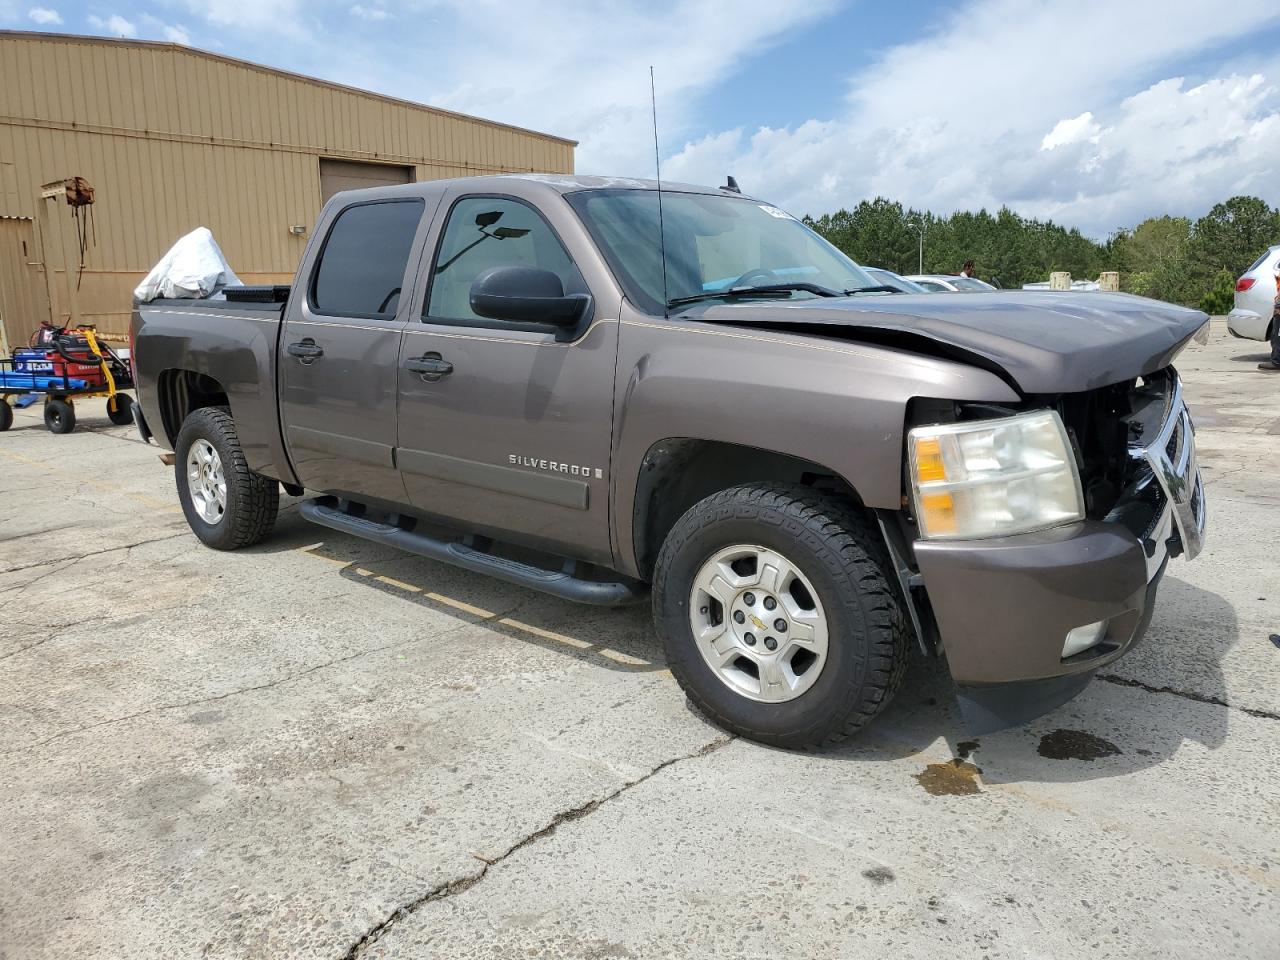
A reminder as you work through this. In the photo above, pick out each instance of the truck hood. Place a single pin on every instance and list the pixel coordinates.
(1058, 342)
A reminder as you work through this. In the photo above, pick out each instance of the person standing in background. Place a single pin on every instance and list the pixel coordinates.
(1273, 365)
(967, 269)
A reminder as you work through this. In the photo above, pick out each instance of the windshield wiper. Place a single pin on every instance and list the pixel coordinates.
(771, 289)
(878, 288)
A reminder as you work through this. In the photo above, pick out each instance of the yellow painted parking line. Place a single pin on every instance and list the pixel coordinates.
(310, 549)
(547, 634)
(398, 584)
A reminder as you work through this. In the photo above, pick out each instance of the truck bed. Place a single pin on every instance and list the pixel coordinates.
(241, 333)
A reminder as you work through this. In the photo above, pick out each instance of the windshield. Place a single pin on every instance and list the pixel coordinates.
(970, 284)
(713, 244)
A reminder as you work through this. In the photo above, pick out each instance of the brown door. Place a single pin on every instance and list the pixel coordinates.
(23, 299)
(339, 175)
(514, 437)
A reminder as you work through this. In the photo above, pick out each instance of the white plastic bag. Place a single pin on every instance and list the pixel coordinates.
(194, 267)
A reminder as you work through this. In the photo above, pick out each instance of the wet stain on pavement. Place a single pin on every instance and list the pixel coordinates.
(1076, 745)
(879, 875)
(955, 778)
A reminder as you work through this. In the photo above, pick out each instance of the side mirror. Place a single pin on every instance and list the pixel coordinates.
(526, 295)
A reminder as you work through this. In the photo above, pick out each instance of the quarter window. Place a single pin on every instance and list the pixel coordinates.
(487, 232)
(362, 266)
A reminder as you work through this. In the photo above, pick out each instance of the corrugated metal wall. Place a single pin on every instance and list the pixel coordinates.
(173, 138)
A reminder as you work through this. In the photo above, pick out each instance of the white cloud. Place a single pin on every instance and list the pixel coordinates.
(369, 13)
(172, 32)
(270, 19)
(44, 16)
(1072, 130)
(579, 68)
(115, 25)
(958, 119)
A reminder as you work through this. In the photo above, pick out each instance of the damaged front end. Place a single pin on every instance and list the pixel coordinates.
(1026, 620)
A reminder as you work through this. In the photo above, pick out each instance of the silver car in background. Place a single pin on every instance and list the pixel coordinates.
(946, 283)
(1255, 298)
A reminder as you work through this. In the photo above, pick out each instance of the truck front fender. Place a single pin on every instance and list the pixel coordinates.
(840, 405)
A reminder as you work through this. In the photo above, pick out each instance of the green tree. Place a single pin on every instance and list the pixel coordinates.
(875, 232)
(1168, 258)
(1152, 259)
(1228, 238)
(1220, 296)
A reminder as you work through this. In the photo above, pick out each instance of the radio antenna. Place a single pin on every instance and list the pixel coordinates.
(657, 169)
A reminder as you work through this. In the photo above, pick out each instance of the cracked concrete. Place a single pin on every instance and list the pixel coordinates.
(323, 748)
(1189, 695)
(458, 884)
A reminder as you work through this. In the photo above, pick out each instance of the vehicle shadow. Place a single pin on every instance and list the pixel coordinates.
(1135, 714)
(616, 638)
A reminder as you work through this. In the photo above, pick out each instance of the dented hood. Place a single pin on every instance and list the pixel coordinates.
(1058, 342)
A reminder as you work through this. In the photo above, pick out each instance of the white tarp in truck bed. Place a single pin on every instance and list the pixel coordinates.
(194, 267)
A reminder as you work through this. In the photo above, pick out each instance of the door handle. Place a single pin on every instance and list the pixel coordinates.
(305, 350)
(430, 366)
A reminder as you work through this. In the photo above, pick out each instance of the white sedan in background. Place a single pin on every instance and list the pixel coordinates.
(944, 283)
(1255, 298)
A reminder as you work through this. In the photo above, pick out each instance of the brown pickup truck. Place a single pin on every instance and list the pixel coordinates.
(596, 389)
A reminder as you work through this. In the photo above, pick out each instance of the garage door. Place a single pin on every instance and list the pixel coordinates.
(338, 175)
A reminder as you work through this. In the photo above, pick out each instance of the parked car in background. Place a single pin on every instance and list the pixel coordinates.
(891, 279)
(944, 283)
(1255, 298)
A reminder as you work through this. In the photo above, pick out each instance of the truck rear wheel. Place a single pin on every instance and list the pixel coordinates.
(775, 607)
(227, 505)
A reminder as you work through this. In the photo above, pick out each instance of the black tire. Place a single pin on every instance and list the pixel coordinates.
(6, 415)
(843, 556)
(59, 415)
(252, 500)
(122, 415)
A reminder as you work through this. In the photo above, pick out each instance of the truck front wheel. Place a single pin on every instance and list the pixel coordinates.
(227, 505)
(775, 607)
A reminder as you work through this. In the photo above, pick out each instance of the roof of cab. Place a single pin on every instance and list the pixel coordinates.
(554, 182)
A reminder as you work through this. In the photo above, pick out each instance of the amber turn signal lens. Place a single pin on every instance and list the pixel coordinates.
(939, 513)
(929, 466)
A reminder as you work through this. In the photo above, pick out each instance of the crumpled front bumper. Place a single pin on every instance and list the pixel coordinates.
(1004, 606)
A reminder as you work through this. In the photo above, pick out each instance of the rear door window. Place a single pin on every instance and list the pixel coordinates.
(1260, 261)
(361, 272)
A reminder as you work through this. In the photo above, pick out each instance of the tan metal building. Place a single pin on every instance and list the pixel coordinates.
(173, 138)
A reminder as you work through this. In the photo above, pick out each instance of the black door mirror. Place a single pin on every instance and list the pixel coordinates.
(526, 295)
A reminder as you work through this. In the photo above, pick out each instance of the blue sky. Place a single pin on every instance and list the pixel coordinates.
(1094, 113)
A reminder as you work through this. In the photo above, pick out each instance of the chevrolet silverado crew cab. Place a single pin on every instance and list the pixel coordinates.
(807, 471)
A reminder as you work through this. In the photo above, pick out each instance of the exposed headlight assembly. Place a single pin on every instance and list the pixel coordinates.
(993, 478)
